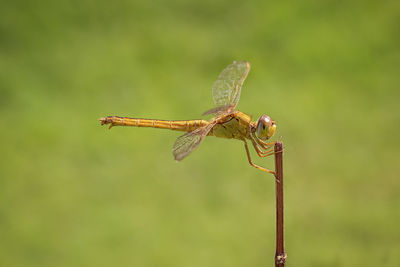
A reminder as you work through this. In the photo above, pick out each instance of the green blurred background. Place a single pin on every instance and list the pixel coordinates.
(73, 193)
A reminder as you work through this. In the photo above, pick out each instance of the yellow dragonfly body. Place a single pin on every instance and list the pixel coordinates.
(227, 123)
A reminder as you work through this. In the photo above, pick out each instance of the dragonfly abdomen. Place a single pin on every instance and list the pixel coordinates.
(184, 125)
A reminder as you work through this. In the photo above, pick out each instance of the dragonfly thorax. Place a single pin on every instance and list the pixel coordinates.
(265, 127)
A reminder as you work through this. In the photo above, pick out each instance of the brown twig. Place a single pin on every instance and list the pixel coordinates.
(280, 254)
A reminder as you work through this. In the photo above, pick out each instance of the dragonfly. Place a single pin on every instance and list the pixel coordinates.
(227, 121)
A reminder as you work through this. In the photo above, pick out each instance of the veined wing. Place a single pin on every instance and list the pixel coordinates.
(226, 89)
(219, 110)
(188, 142)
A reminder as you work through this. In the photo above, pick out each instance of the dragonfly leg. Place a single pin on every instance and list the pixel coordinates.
(262, 143)
(252, 164)
(261, 153)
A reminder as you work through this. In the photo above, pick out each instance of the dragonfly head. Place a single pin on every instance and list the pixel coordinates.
(265, 127)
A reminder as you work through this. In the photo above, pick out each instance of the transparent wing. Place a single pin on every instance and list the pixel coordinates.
(226, 89)
(188, 142)
(218, 110)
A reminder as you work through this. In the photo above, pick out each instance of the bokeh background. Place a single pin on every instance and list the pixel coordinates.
(73, 193)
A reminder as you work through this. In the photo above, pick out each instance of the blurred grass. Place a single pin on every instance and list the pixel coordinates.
(73, 193)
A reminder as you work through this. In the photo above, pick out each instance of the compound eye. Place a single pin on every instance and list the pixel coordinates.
(266, 121)
(263, 127)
